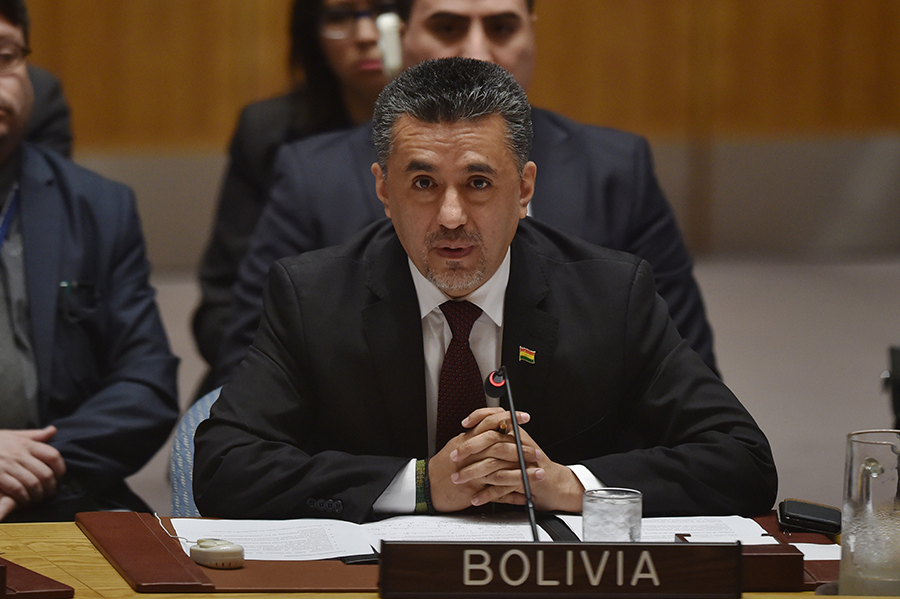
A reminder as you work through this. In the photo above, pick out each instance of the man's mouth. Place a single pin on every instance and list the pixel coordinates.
(453, 251)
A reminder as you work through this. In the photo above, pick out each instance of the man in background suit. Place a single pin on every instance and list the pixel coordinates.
(87, 381)
(596, 183)
(348, 405)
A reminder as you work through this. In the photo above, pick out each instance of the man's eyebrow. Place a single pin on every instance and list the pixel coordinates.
(446, 15)
(503, 15)
(480, 167)
(452, 15)
(418, 165)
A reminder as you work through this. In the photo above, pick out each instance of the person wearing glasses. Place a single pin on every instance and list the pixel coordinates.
(87, 380)
(334, 48)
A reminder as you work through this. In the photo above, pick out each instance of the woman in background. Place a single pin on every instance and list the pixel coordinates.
(337, 71)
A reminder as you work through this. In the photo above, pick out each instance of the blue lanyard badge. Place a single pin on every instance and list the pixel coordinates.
(9, 216)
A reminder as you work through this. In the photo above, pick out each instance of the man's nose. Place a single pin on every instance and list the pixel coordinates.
(452, 213)
(477, 44)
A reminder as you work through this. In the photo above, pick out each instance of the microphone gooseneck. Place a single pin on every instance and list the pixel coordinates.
(497, 385)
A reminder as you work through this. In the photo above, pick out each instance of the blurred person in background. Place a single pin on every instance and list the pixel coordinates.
(87, 380)
(337, 70)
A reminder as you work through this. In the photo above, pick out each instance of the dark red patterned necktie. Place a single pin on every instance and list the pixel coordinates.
(460, 389)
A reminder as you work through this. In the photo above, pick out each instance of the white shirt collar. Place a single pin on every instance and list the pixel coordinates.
(489, 296)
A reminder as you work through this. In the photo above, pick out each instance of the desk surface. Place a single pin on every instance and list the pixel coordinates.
(61, 551)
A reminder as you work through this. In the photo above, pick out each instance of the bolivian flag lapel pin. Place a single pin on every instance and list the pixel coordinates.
(526, 355)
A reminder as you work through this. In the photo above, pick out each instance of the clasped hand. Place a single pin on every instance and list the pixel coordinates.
(481, 466)
(29, 468)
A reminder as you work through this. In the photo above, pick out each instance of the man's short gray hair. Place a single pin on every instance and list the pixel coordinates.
(450, 90)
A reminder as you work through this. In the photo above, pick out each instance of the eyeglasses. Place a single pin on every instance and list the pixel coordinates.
(12, 56)
(339, 22)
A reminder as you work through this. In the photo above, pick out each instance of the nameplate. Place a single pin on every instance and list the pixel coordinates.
(433, 570)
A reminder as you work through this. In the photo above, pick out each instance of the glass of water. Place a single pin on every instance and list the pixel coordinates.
(611, 515)
(870, 529)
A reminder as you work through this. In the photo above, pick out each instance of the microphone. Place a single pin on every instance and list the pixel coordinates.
(497, 385)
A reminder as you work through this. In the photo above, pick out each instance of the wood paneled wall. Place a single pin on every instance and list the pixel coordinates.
(170, 76)
(161, 73)
(728, 67)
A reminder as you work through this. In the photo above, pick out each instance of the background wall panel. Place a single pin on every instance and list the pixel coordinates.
(161, 73)
(743, 102)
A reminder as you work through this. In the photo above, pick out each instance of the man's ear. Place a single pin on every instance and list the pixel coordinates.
(526, 187)
(381, 187)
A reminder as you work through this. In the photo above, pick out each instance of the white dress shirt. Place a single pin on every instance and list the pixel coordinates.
(486, 343)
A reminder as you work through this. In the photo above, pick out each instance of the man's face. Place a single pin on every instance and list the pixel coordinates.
(455, 197)
(16, 95)
(498, 31)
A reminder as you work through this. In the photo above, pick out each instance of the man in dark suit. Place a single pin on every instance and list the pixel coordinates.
(597, 184)
(350, 402)
(86, 376)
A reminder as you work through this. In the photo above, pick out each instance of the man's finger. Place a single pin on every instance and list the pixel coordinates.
(495, 494)
(13, 487)
(49, 456)
(7, 505)
(41, 435)
(492, 444)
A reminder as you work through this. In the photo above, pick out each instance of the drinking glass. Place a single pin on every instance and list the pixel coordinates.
(870, 522)
(611, 515)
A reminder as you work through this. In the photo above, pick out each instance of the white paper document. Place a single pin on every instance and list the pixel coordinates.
(312, 539)
(279, 540)
(509, 528)
(701, 529)
(815, 551)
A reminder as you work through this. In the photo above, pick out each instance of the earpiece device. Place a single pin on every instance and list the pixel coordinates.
(388, 25)
(217, 553)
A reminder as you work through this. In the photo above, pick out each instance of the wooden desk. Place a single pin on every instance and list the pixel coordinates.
(61, 551)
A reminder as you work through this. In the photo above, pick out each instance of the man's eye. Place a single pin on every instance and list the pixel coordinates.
(480, 183)
(422, 183)
(448, 28)
(502, 28)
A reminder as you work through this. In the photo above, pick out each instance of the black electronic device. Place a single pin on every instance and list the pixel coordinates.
(796, 515)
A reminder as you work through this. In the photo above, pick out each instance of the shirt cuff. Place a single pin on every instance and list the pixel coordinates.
(586, 477)
(400, 495)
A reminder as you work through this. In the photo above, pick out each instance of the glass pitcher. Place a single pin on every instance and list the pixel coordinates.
(870, 527)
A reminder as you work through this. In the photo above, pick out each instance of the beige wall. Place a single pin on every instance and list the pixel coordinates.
(726, 90)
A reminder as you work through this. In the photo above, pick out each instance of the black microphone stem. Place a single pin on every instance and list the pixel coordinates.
(529, 503)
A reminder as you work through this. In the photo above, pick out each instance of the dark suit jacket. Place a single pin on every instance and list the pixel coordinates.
(594, 183)
(50, 123)
(330, 403)
(105, 373)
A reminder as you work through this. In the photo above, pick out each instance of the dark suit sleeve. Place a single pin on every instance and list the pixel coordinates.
(50, 123)
(260, 131)
(696, 449)
(654, 236)
(127, 370)
(250, 460)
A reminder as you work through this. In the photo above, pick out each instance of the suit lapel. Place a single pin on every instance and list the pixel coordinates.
(526, 326)
(393, 330)
(43, 214)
